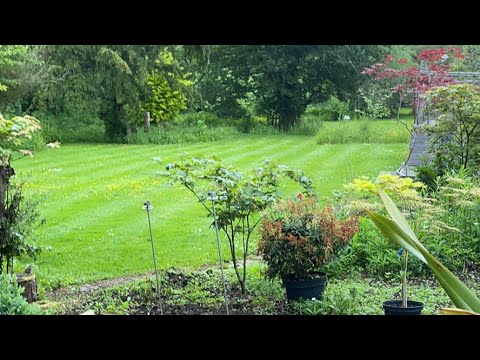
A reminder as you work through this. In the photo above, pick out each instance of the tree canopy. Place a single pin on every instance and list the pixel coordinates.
(116, 83)
(286, 78)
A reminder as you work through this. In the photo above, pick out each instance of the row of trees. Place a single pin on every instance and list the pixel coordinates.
(117, 83)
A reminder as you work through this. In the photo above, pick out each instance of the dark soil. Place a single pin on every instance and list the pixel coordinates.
(187, 292)
(183, 293)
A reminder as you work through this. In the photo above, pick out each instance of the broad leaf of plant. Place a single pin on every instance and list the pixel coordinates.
(449, 311)
(391, 230)
(396, 214)
(458, 292)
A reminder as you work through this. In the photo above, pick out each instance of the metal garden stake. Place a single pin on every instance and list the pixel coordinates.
(213, 198)
(147, 205)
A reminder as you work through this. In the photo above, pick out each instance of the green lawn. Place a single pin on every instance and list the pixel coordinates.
(92, 197)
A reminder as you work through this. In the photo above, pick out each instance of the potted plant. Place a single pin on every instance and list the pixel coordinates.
(399, 232)
(403, 306)
(364, 193)
(298, 239)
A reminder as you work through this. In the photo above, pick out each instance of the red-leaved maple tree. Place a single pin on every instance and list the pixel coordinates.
(411, 80)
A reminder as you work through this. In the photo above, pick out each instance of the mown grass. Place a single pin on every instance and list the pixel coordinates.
(92, 197)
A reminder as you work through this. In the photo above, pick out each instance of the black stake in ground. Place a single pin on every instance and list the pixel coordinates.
(213, 198)
(147, 205)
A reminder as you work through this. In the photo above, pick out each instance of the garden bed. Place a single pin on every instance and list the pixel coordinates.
(199, 292)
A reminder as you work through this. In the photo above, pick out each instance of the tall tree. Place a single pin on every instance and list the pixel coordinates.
(10, 60)
(107, 80)
(286, 78)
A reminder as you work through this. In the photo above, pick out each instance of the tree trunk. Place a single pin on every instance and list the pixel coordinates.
(287, 121)
(115, 128)
(28, 282)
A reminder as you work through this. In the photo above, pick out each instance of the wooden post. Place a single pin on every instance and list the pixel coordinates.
(146, 124)
(28, 282)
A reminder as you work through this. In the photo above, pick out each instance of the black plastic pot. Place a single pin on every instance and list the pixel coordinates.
(394, 307)
(306, 289)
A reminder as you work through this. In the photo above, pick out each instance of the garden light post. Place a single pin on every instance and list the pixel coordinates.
(213, 198)
(147, 205)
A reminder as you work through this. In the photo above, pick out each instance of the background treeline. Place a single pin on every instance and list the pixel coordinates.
(101, 92)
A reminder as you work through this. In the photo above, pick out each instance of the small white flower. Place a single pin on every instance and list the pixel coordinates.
(314, 299)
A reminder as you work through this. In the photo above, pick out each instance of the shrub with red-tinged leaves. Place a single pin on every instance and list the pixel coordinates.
(299, 237)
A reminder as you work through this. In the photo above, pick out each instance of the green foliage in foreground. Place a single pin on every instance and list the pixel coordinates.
(201, 290)
(239, 197)
(399, 231)
(92, 197)
(11, 300)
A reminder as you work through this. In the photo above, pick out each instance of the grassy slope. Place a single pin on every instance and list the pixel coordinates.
(92, 197)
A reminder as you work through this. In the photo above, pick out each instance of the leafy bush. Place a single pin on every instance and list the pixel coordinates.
(368, 250)
(429, 175)
(165, 103)
(314, 110)
(17, 216)
(456, 133)
(36, 143)
(298, 238)
(372, 254)
(376, 101)
(254, 124)
(192, 118)
(18, 220)
(446, 222)
(331, 110)
(167, 83)
(72, 128)
(457, 243)
(362, 193)
(11, 300)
